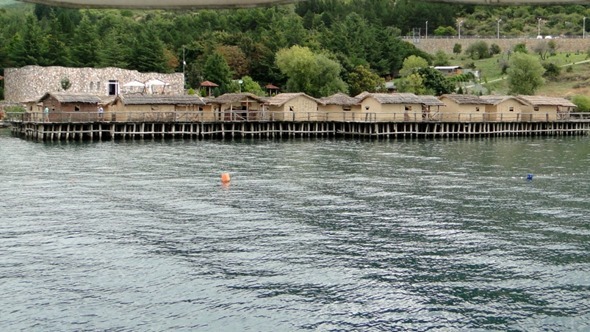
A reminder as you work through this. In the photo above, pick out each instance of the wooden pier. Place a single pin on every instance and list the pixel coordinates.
(113, 130)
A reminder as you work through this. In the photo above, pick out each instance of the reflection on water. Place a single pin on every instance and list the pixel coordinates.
(309, 234)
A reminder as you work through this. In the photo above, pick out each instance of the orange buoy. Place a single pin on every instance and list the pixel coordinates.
(225, 178)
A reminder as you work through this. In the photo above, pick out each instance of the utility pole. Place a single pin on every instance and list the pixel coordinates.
(183, 66)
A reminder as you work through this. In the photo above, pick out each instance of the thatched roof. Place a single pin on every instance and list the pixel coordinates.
(282, 98)
(430, 100)
(394, 98)
(362, 95)
(545, 101)
(107, 100)
(271, 87)
(64, 98)
(339, 99)
(229, 98)
(161, 100)
(208, 100)
(497, 99)
(209, 84)
(466, 99)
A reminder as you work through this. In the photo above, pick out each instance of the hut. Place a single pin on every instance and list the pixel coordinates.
(338, 107)
(430, 107)
(69, 106)
(390, 107)
(238, 106)
(503, 108)
(157, 107)
(209, 86)
(463, 107)
(293, 107)
(540, 108)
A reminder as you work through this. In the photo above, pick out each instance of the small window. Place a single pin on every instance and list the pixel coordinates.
(77, 108)
(291, 108)
(536, 108)
(346, 108)
(408, 108)
(366, 108)
(477, 109)
(511, 109)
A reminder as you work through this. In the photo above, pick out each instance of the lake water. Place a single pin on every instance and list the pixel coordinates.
(311, 234)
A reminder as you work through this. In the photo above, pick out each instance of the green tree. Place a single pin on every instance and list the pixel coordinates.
(413, 83)
(15, 51)
(435, 82)
(34, 42)
(478, 50)
(235, 58)
(314, 74)
(327, 80)
(217, 70)
(441, 59)
(148, 52)
(85, 52)
(115, 53)
(363, 79)
(411, 64)
(525, 74)
(57, 52)
(249, 85)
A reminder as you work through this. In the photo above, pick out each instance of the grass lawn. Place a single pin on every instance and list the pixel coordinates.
(576, 81)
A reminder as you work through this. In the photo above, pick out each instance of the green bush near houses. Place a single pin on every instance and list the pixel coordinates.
(582, 103)
(14, 109)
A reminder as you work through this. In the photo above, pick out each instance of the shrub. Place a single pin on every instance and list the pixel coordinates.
(14, 109)
(520, 47)
(552, 70)
(478, 50)
(495, 49)
(582, 103)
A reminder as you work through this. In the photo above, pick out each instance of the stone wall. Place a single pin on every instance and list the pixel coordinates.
(431, 45)
(30, 83)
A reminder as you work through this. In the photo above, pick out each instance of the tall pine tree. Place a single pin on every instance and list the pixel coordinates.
(86, 44)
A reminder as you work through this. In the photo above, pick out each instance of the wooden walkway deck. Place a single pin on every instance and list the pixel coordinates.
(96, 129)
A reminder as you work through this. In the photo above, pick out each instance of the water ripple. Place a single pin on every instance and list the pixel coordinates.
(325, 235)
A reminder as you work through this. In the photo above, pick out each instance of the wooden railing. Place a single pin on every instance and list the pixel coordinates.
(264, 116)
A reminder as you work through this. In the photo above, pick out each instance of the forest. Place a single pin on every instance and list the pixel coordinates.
(340, 45)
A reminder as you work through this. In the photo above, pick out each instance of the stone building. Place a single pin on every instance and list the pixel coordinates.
(32, 82)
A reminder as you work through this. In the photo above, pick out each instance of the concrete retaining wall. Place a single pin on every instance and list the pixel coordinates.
(431, 45)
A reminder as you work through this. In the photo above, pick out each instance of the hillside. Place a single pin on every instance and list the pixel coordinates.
(357, 42)
(4, 3)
